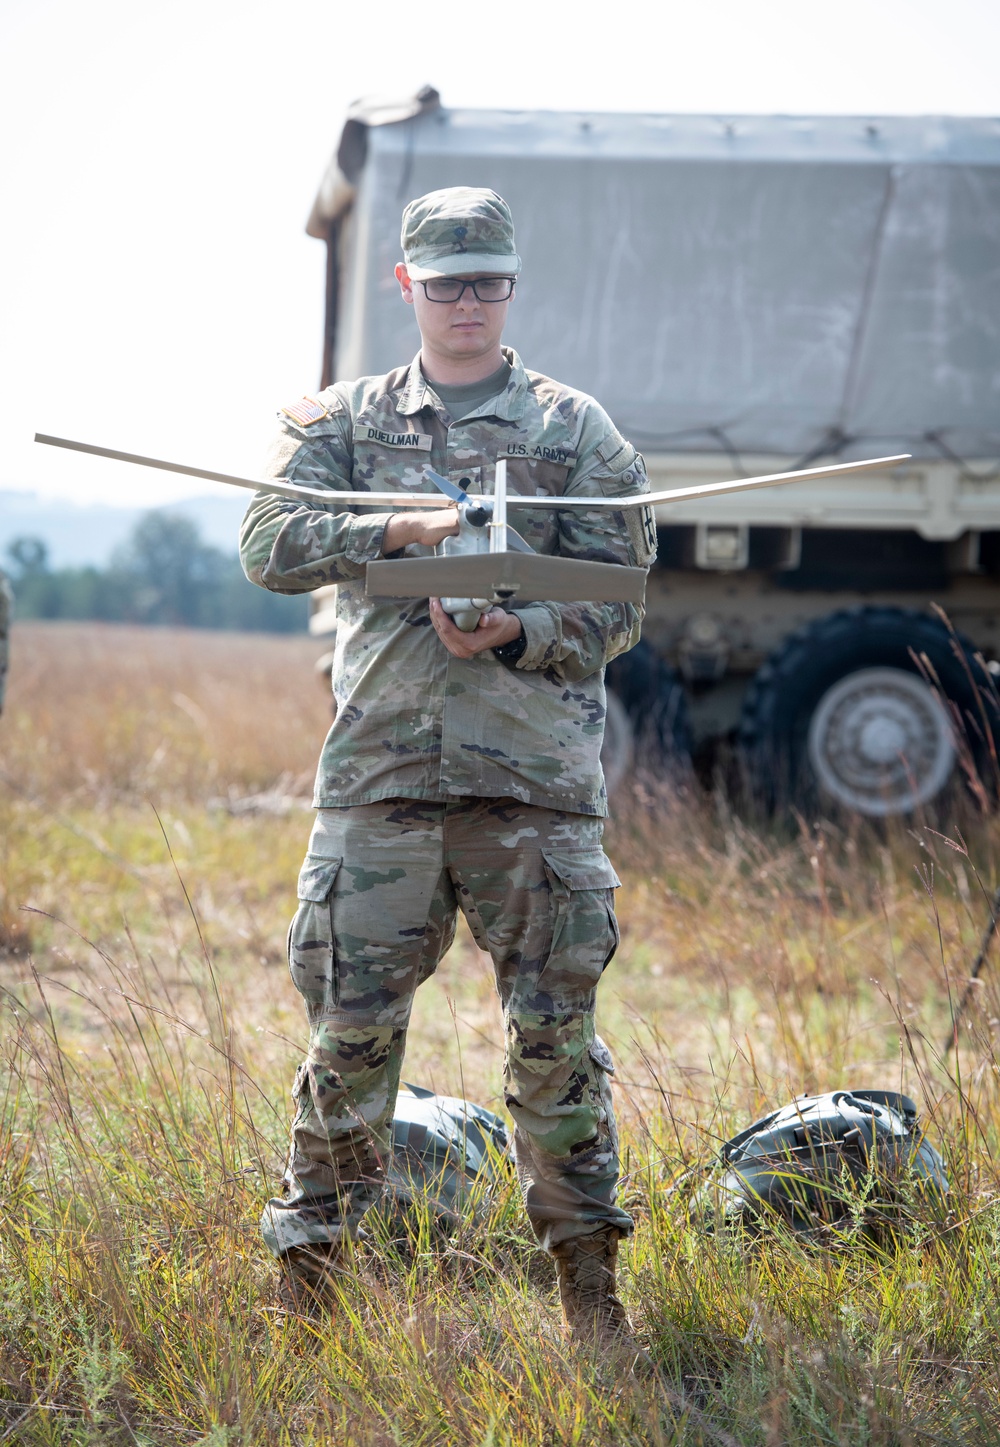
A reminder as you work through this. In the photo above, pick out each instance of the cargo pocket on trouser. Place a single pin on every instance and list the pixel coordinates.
(574, 1194)
(584, 930)
(551, 1076)
(312, 954)
(343, 1090)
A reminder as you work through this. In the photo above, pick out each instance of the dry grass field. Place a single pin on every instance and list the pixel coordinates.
(151, 827)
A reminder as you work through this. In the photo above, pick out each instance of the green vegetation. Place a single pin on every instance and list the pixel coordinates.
(149, 839)
(163, 574)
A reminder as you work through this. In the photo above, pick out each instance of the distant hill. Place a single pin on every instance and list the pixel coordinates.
(78, 534)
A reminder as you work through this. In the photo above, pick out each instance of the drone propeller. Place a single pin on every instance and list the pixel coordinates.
(448, 488)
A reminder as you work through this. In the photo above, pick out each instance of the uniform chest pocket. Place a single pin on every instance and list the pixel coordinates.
(389, 461)
(537, 525)
(469, 477)
(312, 953)
(534, 475)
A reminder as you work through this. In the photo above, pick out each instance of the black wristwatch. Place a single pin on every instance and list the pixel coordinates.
(512, 651)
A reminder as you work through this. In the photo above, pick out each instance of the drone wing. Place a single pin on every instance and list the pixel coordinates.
(709, 489)
(295, 491)
(332, 499)
(523, 577)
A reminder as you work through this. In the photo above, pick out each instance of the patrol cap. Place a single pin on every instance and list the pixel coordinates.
(458, 230)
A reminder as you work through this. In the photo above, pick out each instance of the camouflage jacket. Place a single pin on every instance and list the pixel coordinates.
(412, 721)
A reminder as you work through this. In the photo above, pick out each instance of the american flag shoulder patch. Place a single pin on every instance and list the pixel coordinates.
(305, 411)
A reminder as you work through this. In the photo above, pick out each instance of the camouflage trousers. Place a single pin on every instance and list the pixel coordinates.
(378, 899)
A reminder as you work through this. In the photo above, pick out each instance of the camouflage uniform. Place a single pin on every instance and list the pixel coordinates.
(6, 605)
(412, 721)
(450, 783)
(378, 894)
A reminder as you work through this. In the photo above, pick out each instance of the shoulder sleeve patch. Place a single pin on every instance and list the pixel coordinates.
(305, 411)
(616, 454)
(611, 448)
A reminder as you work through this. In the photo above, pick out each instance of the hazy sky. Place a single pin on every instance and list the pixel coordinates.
(159, 163)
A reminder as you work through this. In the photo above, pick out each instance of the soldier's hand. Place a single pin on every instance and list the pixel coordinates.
(419, 527)
(493, 628)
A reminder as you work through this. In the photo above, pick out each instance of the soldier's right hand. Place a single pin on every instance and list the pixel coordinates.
(419, 527)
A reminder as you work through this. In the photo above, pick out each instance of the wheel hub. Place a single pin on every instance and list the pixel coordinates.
(880, 741)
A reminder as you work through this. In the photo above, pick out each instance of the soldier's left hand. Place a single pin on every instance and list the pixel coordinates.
(493, 628)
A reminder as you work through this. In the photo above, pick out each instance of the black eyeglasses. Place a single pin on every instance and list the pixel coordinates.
(452, 288)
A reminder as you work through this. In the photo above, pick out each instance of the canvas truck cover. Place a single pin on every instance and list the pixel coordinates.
(788, 286)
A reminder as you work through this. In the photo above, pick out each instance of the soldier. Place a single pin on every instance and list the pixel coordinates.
(462, 770)
(6, 605)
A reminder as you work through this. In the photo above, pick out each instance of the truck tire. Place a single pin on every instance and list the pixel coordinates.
(841, 715)
(647, 724)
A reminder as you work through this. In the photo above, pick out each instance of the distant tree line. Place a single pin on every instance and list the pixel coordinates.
(164, 573)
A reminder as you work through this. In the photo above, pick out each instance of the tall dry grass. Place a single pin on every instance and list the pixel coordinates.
(115, 713)
(149, 1037)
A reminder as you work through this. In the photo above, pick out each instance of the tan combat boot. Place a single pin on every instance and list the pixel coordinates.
(306, 1275)
(585, 1268)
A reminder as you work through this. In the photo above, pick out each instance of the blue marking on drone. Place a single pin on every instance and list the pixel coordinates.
(448, 488)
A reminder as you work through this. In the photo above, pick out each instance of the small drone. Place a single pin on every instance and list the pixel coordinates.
(487, 561)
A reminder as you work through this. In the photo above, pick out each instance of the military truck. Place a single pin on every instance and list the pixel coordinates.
(746, 294)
